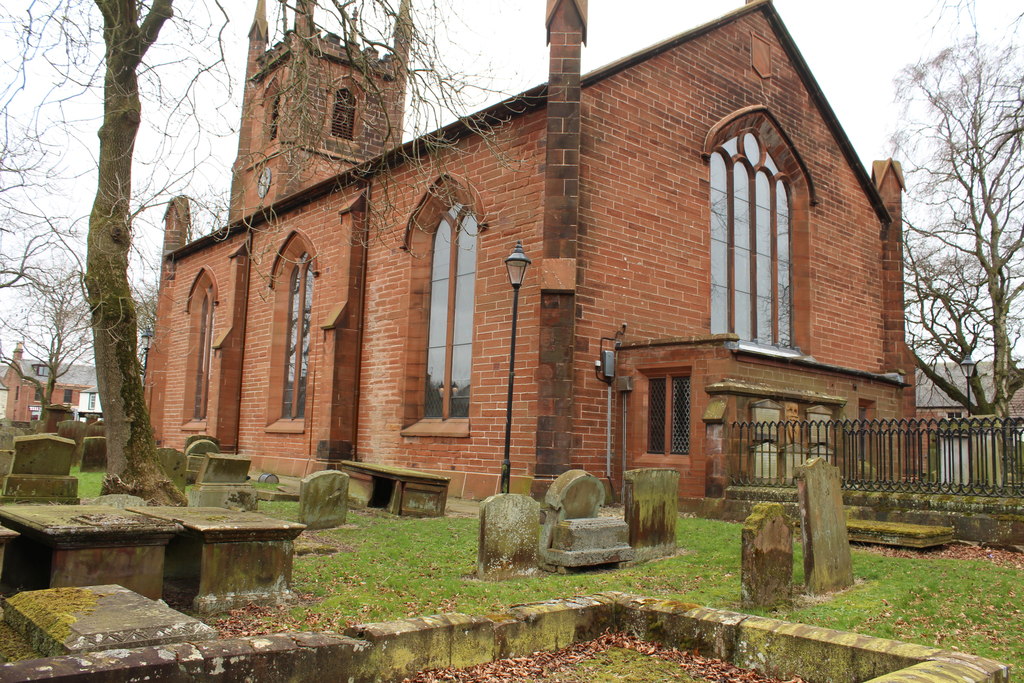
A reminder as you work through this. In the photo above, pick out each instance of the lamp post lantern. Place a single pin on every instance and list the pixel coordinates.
(147, 339)
(967, 365)
(516, 264)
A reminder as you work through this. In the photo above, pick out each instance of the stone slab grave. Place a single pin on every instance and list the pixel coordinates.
(196, 448)
(94, 454)
(507, 542)
(40, 471)
(222, 482)
(174, 464)
(227, 558)
(84, 545)
(59, 621)
(766, 573)
(323, 499)
(397, 490)
(651, 501)
(828, 566)
(898, 533)
(572, 535)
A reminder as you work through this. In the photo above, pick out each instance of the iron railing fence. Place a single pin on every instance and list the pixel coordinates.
(975, 456)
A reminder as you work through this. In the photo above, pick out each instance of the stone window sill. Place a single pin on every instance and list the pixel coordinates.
(287, 427)
(455, 427)
(194, 426)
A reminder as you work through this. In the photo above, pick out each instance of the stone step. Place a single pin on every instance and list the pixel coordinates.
(898, 533)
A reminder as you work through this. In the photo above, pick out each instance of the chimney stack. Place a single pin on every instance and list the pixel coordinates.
(177, 223)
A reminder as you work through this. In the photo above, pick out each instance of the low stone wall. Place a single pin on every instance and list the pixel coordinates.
(393, 650)
(998, 521)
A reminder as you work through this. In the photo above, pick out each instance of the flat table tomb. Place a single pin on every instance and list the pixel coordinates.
(226, 558)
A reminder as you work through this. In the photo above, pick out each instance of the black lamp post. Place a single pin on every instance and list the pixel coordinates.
(147, 340)
(967, 365)
(516, 264)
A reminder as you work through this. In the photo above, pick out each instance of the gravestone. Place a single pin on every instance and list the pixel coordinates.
(6, 462)
(53, 415)
(767, 558)
(323, 499)
(573, 536)
(827, 563)
(174, 464)
(202, 437)
(507, 544)
(94, 454)
(120, 501)
(6, 536)
(651, 500)
(40, 471)
(71, 620)
(76, 431)
(222, 482)
(196, 451)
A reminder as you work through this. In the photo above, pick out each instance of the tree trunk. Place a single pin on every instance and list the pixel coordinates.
(132, 466)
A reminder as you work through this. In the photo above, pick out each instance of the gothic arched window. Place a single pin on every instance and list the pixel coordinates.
(201, 304)
(299, 278)
(450, 327)
(751, 267)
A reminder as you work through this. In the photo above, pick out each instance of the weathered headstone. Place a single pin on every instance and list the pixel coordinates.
(40, 472)
(507, 543)
(767, 558)
(94, 454)
(827, 563)
(6, 463)
(43, 454)
(203, 437)
(175, 465)
(76, 431)
(60, 621)
(222, 482)
(651, 500)
(572, 535)
(120, 501)
(323, 499)
(196, 451)
(53, 415)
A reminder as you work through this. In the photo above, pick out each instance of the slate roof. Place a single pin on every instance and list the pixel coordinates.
(77, 374)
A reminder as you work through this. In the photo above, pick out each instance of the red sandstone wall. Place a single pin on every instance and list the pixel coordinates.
(644, 258)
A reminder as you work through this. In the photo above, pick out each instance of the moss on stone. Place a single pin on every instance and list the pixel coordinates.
(897, 528)
(14, 648)
(54, 610)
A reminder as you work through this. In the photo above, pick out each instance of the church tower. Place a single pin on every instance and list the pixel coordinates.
(315, 104)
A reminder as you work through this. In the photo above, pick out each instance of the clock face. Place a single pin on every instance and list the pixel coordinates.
(263, 184)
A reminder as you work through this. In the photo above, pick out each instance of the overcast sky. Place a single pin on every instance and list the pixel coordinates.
(854, 49)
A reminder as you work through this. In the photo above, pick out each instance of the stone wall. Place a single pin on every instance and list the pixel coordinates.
(998, 521)
(393, 650)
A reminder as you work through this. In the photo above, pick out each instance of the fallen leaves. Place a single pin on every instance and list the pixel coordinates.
(542, 666)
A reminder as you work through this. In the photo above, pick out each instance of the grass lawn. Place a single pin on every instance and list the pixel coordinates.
(386, 568)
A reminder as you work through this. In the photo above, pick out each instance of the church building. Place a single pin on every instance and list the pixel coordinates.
(706, 248)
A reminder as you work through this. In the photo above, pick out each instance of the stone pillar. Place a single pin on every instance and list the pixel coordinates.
(567, 27)
(767, 557)
(507, 546)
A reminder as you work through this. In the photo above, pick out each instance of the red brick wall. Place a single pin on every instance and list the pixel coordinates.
(643, 255)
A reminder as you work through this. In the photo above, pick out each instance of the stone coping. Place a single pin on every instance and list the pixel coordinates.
(392, 472)
(220, 525)
(390, 651)
(78, 526)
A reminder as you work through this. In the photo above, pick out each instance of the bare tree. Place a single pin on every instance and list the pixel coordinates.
(51, 321)
(963, 138)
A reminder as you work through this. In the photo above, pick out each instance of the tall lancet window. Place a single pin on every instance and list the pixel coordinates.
(300, 301)
(751, 270)
(450, 330)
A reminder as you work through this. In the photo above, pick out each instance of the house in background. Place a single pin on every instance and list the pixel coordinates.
(934, 403)
(75, 383)
(695, 209)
